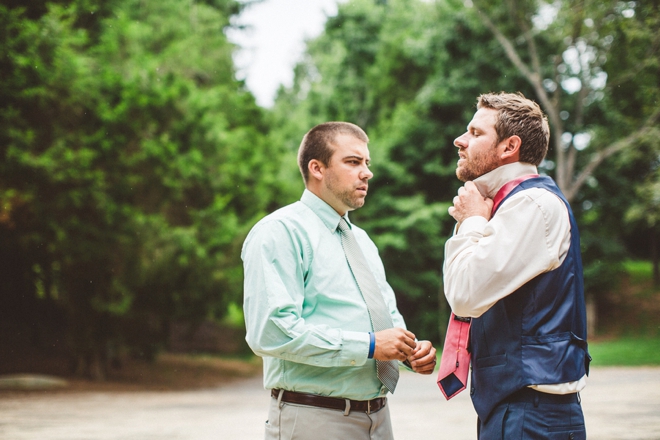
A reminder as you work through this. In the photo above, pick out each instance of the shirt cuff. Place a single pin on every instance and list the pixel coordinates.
(474, 223)
(355, 347)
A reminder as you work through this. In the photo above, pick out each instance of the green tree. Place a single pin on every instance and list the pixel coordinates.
(594, 67)
(576, 54)
(133, 165)
(409, 74)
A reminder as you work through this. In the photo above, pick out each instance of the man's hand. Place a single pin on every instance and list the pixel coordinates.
(469, 202)
(394, 344)
(422, 360)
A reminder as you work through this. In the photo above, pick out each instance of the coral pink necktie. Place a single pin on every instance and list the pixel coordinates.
(455, 360)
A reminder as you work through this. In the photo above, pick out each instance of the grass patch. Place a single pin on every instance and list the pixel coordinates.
(627, 351)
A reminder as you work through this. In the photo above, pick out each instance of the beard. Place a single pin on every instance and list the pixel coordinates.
(477, 165)
(347, 196)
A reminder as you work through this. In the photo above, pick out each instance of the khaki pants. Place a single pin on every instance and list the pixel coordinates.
(289, 421)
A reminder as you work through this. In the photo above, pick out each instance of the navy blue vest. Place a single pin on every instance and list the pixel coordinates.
(536, 335)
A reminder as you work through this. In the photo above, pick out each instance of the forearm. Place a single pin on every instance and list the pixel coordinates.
(293, 340)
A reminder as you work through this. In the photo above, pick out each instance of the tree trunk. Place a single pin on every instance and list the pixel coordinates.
(91, 365)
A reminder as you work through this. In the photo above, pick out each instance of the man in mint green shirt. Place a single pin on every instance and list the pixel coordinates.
(304, 312)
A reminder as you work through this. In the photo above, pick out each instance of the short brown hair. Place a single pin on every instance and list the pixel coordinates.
(317, 143)
(519, 116)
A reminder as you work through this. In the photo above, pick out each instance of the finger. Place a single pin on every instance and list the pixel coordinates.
(423, 356)
(426, 369)
(404, 335)
(427, 359)
(406, 350)
(421, 368)
(399, 356)
(421, 350)
(418, 354)
(408, 346)
(409, 334)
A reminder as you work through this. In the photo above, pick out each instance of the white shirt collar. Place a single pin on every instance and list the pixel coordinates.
(491, 182)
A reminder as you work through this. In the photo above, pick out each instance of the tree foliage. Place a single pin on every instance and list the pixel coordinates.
(410, 72)
(576, 54)
(132, 164)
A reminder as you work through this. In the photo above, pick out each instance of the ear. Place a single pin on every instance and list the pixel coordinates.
(316, 169)
(511, 151)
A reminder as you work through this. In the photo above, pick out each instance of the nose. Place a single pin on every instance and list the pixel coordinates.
(460, 141)
(366, 173)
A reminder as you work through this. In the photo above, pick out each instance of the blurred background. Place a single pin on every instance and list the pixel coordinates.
(140, 140)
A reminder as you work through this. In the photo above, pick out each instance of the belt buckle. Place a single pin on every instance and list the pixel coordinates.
(368, 406)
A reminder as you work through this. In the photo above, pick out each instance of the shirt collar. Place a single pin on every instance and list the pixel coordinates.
(325, 212)
(491, 182)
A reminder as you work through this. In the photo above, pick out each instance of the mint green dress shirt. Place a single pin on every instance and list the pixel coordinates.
(304, 312)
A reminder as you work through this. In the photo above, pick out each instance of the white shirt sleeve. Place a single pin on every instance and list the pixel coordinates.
(487, 260)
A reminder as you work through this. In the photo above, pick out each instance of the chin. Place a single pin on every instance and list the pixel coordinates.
(357, 204)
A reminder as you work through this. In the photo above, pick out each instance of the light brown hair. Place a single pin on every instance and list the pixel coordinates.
(519, 116)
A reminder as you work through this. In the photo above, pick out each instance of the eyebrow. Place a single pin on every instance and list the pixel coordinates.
(360, 158)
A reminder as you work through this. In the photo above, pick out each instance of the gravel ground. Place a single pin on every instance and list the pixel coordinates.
(619, 404)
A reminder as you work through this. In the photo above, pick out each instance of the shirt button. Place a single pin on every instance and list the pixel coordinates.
(352, 362)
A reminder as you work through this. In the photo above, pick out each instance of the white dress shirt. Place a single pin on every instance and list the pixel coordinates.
(487, 260)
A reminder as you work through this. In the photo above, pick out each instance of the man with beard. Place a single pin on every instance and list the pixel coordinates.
(318, 308)
(513, 266)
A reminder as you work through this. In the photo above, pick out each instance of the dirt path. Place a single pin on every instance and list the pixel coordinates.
(619, 404)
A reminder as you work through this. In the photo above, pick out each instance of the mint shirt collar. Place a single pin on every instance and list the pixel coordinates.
(325, 212)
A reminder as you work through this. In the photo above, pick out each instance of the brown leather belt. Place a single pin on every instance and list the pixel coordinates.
(368, 406)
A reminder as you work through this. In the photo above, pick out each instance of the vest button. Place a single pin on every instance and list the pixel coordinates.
(571, 436)
(471, 390)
